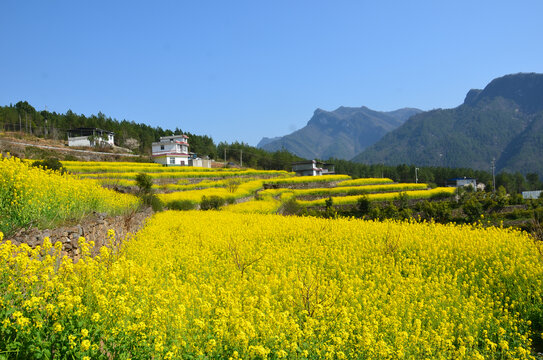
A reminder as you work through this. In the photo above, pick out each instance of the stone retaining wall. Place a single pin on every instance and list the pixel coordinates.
(93, 228)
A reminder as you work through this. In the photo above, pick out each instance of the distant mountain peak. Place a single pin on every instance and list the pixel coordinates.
(525, 89)
(340, 133)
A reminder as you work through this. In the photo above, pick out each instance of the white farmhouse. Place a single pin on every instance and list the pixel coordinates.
(90, 137)
(172, 150)
(312, 168)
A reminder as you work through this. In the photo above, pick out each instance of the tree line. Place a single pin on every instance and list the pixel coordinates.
(514, 183)
(139, 138)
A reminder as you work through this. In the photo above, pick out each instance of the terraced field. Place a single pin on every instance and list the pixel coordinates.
(188, 184)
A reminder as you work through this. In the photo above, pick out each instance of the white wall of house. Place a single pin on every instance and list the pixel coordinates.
(172, 160)
(84, 141)
(167, 147)
(79, 141)
(110, 139)
(178, 160)
(534, 194)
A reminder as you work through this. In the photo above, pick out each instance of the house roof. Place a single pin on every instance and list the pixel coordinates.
(89, 129)
(310, 162)
(174, 136)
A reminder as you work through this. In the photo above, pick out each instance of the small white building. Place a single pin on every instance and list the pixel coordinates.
(462, 181)
(172, 150)
(90, 137)
(534, 194)
(312, 168)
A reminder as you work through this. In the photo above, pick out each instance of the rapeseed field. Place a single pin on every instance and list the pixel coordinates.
(220, 285)
(31, 196)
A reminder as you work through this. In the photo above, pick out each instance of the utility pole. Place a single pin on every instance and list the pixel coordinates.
(241, 157)
(416, 175)
(224, 157)
(493, 175)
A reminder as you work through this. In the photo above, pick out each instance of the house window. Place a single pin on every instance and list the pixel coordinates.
(172, 161)
(161, 147)
(182, 163)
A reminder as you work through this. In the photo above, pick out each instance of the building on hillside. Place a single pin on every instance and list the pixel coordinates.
(462, 181)
(90, 137)
(535, 194)
(312, 168)
(174, 151)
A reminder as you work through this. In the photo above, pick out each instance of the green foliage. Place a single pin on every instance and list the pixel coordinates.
(181, 205)
(145, 191)
(256, 158)
(233, 184)
(501, 199)
(439, 211)
(212, 202)
(152, 200)
(144, 183)
(364, 205)
(403, 200)
(473, 209)
(51, 163)
(291, 207)
(328, 203)
(390, 211)
(329, 212)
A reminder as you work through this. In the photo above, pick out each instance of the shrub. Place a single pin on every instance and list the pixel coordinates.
(212, 202)
(144, 183)
(390, 211)
(291, 207)
(181, 205)
(439, 211)
(153, 201)
(403, 200)
(473, 209)
(328, 203)
(232, 185)
(51, 163)
(363, 205)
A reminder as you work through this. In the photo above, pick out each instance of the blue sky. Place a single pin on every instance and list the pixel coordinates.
(241, 70)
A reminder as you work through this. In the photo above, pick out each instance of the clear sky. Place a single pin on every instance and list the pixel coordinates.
(241, 70)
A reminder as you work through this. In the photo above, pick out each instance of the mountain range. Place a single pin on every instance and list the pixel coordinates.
(342, 133)
(502, 122)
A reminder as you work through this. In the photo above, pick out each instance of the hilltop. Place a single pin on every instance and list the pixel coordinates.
(341, 133)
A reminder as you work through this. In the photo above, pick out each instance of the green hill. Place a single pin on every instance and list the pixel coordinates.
(503, 122)
(341, 133)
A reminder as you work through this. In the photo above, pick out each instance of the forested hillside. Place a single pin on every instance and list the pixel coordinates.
(137, 137)
(502, 122)
(341, 133)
